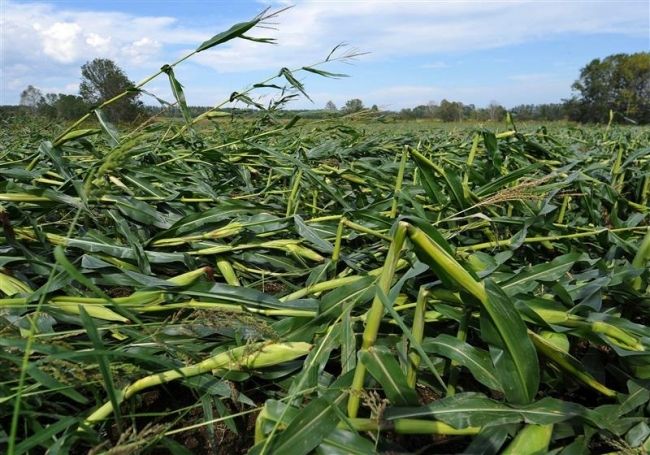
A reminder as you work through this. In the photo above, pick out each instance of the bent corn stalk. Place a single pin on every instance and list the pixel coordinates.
(375, 315)
(258, 355)
(520, 384)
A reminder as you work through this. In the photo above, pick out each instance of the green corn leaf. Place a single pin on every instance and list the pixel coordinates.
(52, 384)
(45, 436)
(103, 363)
(246, 297)
(109, 130)
(473, 409)
(531, 440)
(414, 344)
(503, 181)
(95, 246)
(381, 364)
(568, 364)
(348, 344)
(177, 90)
(63, 261)
(259, 40)
(295, 83)
(308, 429)
(50, 151)
(513, 354)
(322, 72)
(489, 441)
(311, 236)
(429, 169)
(341, 442)
(475, 360)
(547, 272)
(77, 134)
(236, 31)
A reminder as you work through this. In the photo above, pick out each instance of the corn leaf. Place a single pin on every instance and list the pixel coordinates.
(386, 370)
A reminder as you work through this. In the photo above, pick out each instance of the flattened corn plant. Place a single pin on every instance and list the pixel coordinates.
(338, 286)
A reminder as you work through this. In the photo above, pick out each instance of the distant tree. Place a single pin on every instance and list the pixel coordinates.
(432, 108)
(524, 112)
(551, 111)
(70, 107)
(495, 110)
(406, 113)
(47, 107)
(374, 108)
(330, 106)
(620, 82)
(31, 97)
(450, 111)
(101, 80)
(424, 111)
(469, 111)
(62, 106)
(353, 105)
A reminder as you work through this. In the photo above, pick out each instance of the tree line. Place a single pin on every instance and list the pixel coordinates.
(619, 83)
(101, 80)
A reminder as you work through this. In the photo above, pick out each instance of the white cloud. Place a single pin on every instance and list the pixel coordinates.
(60, 41)
(44, 43)
(99, 43)
(142, 50)
(75, 36)
(415, 28)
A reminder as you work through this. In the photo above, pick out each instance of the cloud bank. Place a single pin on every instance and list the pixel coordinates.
(44, 44)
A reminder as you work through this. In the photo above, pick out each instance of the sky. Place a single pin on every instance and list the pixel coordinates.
(414, 52)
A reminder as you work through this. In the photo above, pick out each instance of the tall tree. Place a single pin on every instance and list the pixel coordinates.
(31, 97)
(620, 82)
(450, 111)
(330, 106)
(353, 105)
(101, 80)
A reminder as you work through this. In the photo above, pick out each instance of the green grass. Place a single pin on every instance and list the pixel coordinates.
(333, 286)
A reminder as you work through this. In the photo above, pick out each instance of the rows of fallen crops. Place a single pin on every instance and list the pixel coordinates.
(342, 287)
(331, 286)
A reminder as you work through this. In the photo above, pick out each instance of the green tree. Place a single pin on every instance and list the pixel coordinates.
(101, 80)
(70, 107)
(620, 82)
(450, 111)
(353, 105)
(330, 106)
(62, 106)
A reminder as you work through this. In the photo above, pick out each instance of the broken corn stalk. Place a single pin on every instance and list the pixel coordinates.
(258, 355)
(375, 314)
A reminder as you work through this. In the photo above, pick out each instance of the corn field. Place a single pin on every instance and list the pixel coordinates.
(344, 286)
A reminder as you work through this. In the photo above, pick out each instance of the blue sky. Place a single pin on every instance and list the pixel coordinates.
(511, 52)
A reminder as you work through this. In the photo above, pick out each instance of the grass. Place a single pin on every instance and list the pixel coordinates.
(334, 286)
